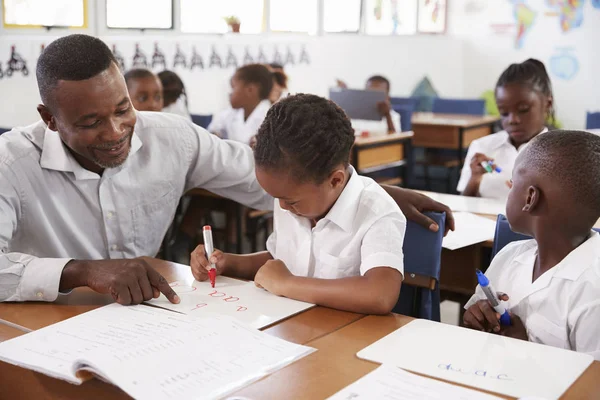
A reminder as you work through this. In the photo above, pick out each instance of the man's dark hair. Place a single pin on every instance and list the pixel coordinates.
(138, 73)
(258, 74)
(71, 58)
(572, 160)
(380, 78)
(306, 136)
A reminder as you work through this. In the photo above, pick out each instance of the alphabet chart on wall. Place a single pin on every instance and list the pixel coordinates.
(233, 297)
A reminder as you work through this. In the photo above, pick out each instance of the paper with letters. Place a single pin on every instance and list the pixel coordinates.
(393, 383)
(491, 362)
(239, 299)
(469, 229)
(153, 353)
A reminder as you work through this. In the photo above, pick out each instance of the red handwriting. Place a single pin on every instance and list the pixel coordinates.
(199, 306)
(240, 308)
(217, 294)
(231, 299)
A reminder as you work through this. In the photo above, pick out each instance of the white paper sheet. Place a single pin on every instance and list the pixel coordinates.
(491, 362)
(469, 229)
(392, 383)
(152, 353)
(476, 205)
(238, 299)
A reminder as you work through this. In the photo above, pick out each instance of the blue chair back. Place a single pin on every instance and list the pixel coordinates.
(459, 106)
(2, 130)
(505, 235)
(592, 120)
(412, 102)
(202, 120)
(420, 293)
(406, 113)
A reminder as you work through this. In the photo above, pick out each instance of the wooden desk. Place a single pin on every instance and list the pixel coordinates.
(8, 332)
(450, 131)
(334, 365)
(377, 153)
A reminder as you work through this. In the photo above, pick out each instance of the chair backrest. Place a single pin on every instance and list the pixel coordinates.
(405, 101)
(2, 130)
(202, 120)
(420, 293)
(505, 235)
(592, 120)
(406, 113)
(459, 106)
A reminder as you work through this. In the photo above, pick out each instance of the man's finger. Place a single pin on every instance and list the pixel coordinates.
(159, 282)
(136, 293)
(146, 288)
(121, 294)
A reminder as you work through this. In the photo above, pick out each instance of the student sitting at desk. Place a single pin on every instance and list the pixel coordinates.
(553, 281)
(390, 119)
(175, 97)
(145, 89)
(249, 98)
(525, 101)
(337, 239)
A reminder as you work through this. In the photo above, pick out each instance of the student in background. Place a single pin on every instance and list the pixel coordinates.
(525, 101)
(249, 98)
(552, 283)
(280, 89)
(175, 97)
(390, 119)
(337, 239)
(145, 89)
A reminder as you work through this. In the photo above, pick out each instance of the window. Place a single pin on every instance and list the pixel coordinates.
(293, 16)
(139, 14)
(432, 16)
(39, 13)
(391, 17)
(208, 16)
(342, 16)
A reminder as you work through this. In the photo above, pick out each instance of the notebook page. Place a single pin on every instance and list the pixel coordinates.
(393, 383)
(203, 358)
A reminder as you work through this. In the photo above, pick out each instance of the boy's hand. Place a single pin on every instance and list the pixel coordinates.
(483, 317)
(476, 169)
(384, 108)
(273, 277)
(200, 265)
(516, 329)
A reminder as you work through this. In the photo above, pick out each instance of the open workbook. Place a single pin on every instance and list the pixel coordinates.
(152, 353)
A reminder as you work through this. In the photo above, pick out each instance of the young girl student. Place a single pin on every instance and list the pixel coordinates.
(249, 98)
(525, 101)
(337, 239)
(552, 283)
(145, 89)
(175, 97)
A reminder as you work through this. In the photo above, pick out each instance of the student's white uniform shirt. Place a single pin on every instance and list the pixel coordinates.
(178, 108)
(562, 307)
(230, 123)
(496, 146)
(364, 229)
(53, 210)
(376, 128)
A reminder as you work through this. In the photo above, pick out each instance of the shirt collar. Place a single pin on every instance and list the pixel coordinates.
(574, 264)
(503, 139)
(347, 203)
(55, 156)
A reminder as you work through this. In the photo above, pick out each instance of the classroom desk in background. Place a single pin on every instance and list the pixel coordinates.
(378, 153)
(450, 131)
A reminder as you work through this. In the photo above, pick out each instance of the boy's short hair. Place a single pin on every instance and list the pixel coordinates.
(138, 73)
(305, 135)
(572, 160)
(380, 78)
(258, 74)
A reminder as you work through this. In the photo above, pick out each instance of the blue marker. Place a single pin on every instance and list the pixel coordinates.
(484, 283)
(488, 166)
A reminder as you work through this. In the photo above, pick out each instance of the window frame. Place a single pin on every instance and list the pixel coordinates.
(31, 27)
(133, 28)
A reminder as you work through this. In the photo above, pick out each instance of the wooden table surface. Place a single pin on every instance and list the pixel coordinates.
(8, 332)
(455, 120)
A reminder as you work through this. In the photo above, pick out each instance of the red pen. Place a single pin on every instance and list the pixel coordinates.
(209, 248)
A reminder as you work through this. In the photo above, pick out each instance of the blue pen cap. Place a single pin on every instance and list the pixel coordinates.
(505, 319)
(482, 279)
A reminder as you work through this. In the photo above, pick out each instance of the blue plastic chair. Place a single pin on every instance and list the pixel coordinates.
(592, 120)
(202, 120)
(504, 235)
(2, 130)
(406, 113)
(459, 106)
(411, 102)
(420, 293)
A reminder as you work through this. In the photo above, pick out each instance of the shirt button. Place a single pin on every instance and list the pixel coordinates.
(39, 295)
(113, 247)
(109, 215)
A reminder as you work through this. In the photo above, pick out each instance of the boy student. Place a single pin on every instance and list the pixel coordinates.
(552, 283)
(145, 89)
(250, 89)
(390, 119)
(337, 239)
